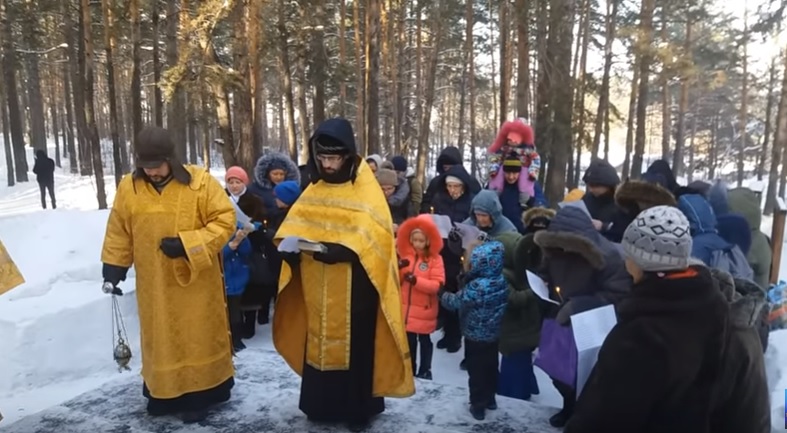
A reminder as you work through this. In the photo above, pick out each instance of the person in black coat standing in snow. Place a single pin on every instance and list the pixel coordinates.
(44, 169)
(672, 364)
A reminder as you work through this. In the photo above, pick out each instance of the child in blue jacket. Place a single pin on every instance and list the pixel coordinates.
(481, 304)
(236, 255)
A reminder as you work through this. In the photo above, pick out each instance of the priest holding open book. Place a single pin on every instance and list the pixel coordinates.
(340, 269)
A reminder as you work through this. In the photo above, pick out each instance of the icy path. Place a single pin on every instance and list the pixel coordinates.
(265, 399)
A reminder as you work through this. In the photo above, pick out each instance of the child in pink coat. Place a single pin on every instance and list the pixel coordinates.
(422, 274)
(515, 138)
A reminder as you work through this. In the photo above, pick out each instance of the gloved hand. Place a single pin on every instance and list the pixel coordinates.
(292, 259)
(410, 278)
(460, 280)
(113, 274)
(334, 254)
(173, 247)
(403, 263)
(440, 292)
(110, 288)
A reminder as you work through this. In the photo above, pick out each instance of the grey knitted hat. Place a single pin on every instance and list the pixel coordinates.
(659, 240)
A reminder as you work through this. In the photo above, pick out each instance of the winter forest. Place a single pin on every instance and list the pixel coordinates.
(698, 82)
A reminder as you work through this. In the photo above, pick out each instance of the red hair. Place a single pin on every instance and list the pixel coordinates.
(517, 126)
(424, 223)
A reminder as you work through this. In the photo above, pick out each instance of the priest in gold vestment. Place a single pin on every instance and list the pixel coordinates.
(338, 320)
(171, 222)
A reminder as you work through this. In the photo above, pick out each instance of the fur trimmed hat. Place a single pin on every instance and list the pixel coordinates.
(516, 126)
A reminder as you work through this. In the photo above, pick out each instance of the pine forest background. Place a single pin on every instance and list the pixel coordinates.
(697, 82)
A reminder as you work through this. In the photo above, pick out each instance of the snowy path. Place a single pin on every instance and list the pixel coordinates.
(265, 399)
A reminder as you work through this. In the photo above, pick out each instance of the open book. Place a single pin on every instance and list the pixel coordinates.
(294, 244)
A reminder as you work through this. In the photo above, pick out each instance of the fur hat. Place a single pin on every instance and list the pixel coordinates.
(638, 195)
(236, 172)
(517, 126)
(387, 177)
(537, 218)
(659, 240)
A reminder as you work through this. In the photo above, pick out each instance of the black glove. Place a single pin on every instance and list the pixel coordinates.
(334, 254)
(404, 263)
(454, 235)
(113, 274)
(173, 247)
(410, 278)
(292, 259)
(460, 280)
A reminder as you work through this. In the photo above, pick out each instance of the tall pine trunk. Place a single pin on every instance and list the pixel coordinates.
(372, 75)
(32, 36)
(523, 57)
(286, 80)
(683, 105)
(113, 116)
(136, 73)
(158, 105)
(9, 152)
(780, 136)
(176, 107)
(744, 115)
(12, 97)
(90, 113)
(768, 120)
(645, 61)
(602, 113)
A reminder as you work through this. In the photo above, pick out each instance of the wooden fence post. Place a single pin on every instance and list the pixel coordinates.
(777, 238)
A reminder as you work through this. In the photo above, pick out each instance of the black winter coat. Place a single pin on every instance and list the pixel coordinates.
(673, 363)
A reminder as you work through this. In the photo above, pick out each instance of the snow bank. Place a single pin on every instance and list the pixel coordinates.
(776, 367)
(55, 330)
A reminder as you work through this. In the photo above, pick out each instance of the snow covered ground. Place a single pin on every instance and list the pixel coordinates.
(56, 341)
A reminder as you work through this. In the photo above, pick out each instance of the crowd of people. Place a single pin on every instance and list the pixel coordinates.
(686, 268)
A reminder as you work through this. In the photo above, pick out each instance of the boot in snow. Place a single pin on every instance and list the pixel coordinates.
(195, 416)
(478, 413)
(249, 327)
(358, 426)
(426, 375)
(442, 343)
(560, 419)
(492, 404)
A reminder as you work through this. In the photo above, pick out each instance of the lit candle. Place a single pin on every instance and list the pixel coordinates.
(557, 289)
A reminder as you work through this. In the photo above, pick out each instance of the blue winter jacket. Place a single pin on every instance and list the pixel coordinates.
(702, 220)
(732, 227)
(487, 202)
(236, 267)
(482, 301)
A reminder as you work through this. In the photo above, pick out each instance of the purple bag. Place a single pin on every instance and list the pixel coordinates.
(557, 352)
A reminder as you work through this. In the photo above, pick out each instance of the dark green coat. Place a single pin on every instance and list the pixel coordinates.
(521, 325)
(745, 202)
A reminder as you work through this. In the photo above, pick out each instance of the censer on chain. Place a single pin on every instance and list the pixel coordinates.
(121, 351)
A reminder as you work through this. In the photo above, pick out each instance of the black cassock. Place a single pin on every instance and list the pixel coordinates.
(346, 396)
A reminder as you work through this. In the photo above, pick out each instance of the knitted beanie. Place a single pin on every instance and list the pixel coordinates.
(399, 163)
(659, 240)
(287, 191)
(512, 164)
(236, 172)
(386, 177)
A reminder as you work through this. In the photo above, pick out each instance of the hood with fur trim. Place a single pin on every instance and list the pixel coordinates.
(518, 126)
(275, 161)
(633, 193)
(534, 213)
(426, 224)
(572, 231)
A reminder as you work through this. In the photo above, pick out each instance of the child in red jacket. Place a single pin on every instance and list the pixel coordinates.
(421, 273)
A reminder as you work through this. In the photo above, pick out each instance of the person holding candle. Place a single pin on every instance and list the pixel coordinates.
(586, 271)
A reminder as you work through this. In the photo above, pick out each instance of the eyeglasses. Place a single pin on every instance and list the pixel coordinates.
(330, 159)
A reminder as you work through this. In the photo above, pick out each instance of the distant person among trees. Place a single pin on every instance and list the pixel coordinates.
(44, 169)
